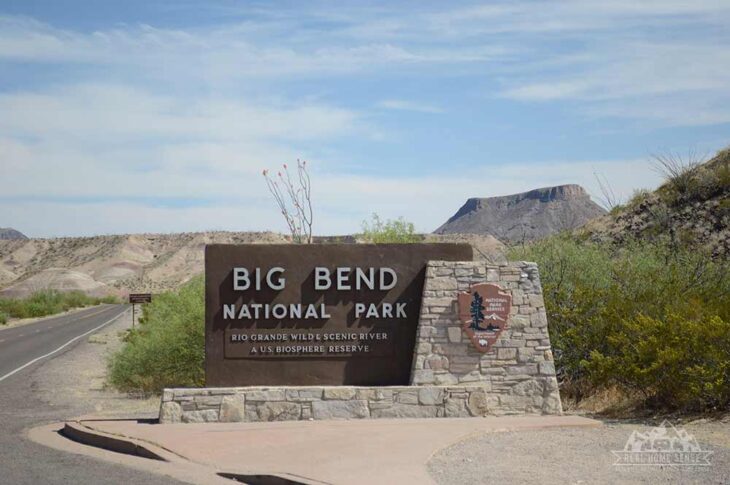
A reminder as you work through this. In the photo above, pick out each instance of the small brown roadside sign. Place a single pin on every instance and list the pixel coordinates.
(140, 297)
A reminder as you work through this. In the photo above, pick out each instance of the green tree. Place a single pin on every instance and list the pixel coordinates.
(390, 231)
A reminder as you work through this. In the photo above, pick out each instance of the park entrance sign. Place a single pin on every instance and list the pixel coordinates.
(315, 314)
(299, 332)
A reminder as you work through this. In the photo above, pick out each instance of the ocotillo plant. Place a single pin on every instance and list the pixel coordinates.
(294, 198)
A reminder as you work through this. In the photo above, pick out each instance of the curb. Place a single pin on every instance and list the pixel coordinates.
(82, 434)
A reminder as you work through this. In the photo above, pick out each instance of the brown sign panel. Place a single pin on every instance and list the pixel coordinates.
(484, 311)
(140, 297)
(328, 314)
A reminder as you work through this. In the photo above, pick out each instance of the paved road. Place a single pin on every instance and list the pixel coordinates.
(28, 349)
(22, 345)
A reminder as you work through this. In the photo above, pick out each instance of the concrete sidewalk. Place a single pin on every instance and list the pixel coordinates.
(336, 452)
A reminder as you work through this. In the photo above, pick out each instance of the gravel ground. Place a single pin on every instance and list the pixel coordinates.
(77, 380)
(574, 456)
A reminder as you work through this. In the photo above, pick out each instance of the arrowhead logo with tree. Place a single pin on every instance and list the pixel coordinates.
(484, 311)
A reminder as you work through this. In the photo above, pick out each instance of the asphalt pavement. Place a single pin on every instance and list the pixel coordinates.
(25, 351)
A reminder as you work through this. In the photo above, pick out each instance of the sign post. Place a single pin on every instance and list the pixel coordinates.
(135, 298)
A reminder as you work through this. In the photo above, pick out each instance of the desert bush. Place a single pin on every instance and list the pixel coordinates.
(48, 302)
(3, 318)
(679, 173)
(637, 198)
(596, 293)
(167, 349)
(390, 231)
(672, 361)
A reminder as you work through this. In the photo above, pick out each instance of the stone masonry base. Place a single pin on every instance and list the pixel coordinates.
(252, 404)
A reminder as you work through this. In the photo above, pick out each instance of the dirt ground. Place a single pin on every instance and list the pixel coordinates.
(79, 376)
(575, 456)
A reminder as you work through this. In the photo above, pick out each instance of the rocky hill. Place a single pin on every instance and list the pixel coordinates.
(121, 264)
(110, 264)
(692, 208)
(8, 233)
(526, 216)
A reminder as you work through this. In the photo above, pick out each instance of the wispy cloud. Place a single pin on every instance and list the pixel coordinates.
(404, 105)
(196, 111)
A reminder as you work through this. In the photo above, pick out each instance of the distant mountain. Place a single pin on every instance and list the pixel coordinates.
(526, 216)
(10, 233)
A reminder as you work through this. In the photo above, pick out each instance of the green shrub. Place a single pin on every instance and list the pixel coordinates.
(593, 292)
(168, 347)
(673, 362)
(3, 318)
(48, 302)
(390, 231)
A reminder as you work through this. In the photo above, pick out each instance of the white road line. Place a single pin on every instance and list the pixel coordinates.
(60, 348)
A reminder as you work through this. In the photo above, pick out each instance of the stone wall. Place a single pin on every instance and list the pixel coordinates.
(518, 373)
(450, 378)
(319, 402)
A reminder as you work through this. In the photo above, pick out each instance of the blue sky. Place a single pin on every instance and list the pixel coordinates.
(150, 116)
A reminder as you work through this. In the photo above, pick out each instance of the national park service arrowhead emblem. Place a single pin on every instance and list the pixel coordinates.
(484, 312)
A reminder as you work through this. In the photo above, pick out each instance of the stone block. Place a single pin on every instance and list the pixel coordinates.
(527, 388)
(170, 412)
(205, 416)
(538, 320)
(551, 405)
(304, 395)
(514, 403)
(473, 376)
(525, 354)
(422, 376)
(479, 404)
(205, 402)
(547, 368)
(519, 322)
(355, 409)
(437, 362)
(423, 348)
(266, 395)
(278, 411)
(406, 411)
(529, 369)
(407, 397)
(506, 353)
(455, 408)
(442, 284)
(431, 396)
(339, 393)
(188, 406)
(454, 334)
(445, 379)
(492, 275)
(536, 301)
(379, 405)
(224, 391)
(489, 369)
(233, 409)
(550, 384)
